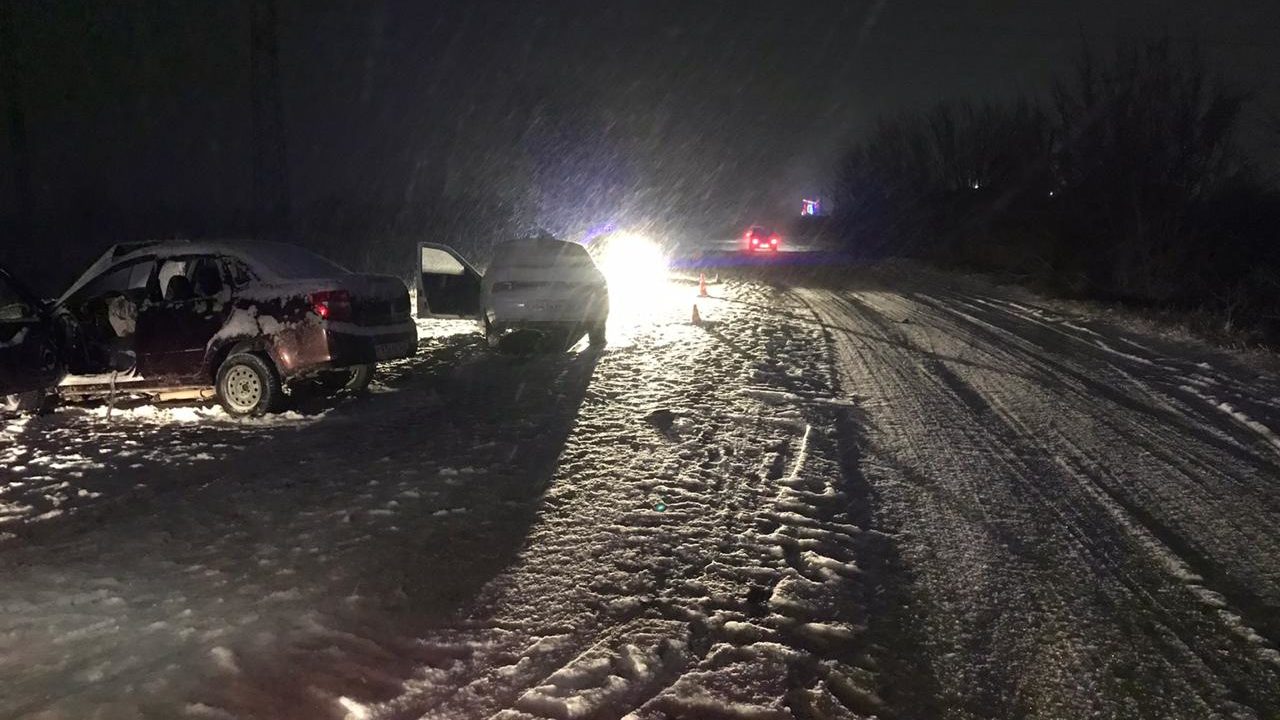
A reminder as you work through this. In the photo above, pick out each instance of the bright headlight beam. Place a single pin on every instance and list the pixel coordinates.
(634, 267)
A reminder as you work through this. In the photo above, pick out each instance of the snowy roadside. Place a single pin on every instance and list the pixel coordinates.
(872, 495)
(1083, 518)
(662, 529)
(1176, 329)
(83, 454)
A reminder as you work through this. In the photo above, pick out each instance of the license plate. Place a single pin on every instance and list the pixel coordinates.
(547, 307)
(383, 351)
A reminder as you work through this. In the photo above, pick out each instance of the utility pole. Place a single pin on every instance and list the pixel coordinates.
(11, 86)
(270, 170)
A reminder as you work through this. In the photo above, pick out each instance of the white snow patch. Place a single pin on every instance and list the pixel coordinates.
(1267, 433)
(225, 659)
(826, 631)
(355, 711)
(190, 414)
(778, 397)
(813, 559)
(207, 712)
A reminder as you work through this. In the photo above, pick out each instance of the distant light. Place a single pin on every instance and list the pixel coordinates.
(1050, 193)
(976, 186)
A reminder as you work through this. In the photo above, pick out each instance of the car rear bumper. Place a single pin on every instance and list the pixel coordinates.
(326, 346)
(517, 309)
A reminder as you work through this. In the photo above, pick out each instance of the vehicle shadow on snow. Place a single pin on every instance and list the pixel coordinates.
(489, 449)
(65, 468)
(316, 553)
(100, 460)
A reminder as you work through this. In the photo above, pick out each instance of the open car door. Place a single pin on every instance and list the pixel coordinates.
(448, 286)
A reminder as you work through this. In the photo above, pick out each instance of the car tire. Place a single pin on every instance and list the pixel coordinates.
(248, 384)
(353, 379)
(596, 335)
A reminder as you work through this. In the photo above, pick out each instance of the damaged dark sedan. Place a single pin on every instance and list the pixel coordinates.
(235, 320)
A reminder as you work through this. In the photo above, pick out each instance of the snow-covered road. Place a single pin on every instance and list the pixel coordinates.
(887, 496)
(1085, 523)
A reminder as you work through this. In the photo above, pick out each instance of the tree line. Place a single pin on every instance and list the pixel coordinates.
(1125, 182)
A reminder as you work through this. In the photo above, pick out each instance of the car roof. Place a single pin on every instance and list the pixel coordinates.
(174, 248)
(535, 243)
(161, 249)
(539, 247)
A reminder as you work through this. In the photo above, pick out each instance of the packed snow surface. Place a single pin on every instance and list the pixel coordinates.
(876, 497)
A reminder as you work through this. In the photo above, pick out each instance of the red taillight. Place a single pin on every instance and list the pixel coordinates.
(331, 305)
(773, 240)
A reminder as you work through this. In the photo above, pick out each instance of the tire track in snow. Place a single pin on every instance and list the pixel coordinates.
(881, 358)
(1205, 472)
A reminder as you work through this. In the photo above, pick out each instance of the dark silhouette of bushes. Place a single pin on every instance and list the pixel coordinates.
(1125, 184)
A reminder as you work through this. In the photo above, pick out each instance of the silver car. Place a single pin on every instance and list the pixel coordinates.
(540, 284)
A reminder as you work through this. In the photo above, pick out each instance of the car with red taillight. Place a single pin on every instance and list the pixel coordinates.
(239, 320)
(760, 239)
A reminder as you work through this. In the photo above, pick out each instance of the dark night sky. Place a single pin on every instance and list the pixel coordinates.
(698, 111)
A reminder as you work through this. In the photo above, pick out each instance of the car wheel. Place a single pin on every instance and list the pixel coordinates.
(248, 385)
(353, 379)
(596, 335)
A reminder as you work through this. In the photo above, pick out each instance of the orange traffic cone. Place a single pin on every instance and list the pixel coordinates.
(702, 285)
(697, 318)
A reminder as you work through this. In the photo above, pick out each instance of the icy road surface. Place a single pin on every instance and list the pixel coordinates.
(889, 497)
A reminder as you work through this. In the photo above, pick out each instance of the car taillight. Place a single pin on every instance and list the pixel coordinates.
(331, 305)
(773, 240)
